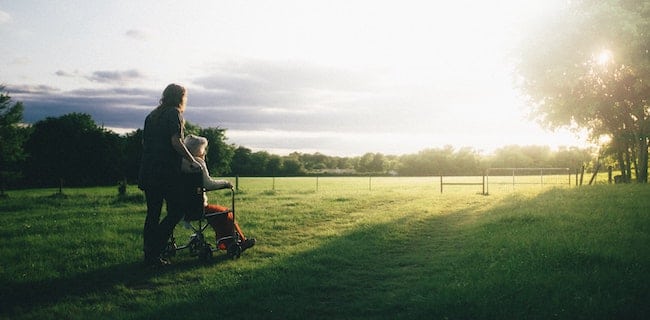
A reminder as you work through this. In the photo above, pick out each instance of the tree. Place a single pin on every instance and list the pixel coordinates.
(372, 163)
(571, 157)
(12, 137)
(274, 165)
(241, 161)
(259, 163)
(74, 149)
(589, 67)
(466, 162)
(515, 156)
(435, 161)
(291, 166)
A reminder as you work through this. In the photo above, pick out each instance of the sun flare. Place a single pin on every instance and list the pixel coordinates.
(604, 57)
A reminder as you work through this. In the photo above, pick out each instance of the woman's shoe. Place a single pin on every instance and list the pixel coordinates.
(156, 262)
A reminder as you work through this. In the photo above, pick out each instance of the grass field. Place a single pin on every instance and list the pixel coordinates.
(335, 248)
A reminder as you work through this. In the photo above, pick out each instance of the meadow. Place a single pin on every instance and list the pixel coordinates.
(339, 248)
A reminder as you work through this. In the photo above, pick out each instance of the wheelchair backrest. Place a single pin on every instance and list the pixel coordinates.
(193, 191)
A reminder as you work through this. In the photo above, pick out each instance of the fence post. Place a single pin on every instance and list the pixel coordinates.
(593, 176)
(609, 174)
(483, 183)
(440, 183)
(582, 174)
(237, 183)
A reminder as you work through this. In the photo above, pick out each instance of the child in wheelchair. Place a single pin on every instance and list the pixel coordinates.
(220, 218)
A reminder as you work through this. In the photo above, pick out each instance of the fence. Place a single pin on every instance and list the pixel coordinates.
(513, 177)
(463, 181)
(495, 180)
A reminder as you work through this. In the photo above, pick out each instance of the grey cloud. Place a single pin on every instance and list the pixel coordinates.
(115, 76)
(62, 73)
(137, 34)
(30, 90)
(118, 107)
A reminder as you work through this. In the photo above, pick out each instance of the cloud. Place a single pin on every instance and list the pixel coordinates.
(109, 77)
(297, 96)
(118, 77)
(31, 90)
(4, 17)
(286, 105)
(61, 73)
(114, 107)
(137, 34)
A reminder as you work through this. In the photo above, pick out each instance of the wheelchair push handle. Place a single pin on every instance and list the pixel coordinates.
(232, 195)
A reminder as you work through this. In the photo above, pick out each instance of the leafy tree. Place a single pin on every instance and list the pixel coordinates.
(316, 161)
(571, 157)
(589, 67)
(291, 166)
(241, 161)
(259, 163)
(435, 161)
(372, 163)
(74, 149)
(12, 137)
(466, 162)
(274, 165)
(515, 156)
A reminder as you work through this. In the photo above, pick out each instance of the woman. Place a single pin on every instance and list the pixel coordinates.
(163, 151)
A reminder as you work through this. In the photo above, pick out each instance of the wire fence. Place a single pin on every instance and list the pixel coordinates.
(497, 181)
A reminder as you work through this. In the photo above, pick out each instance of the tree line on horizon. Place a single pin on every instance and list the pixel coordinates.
(72, 150)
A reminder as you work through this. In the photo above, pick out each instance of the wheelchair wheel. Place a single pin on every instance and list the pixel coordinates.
(169, 250)
(195, 245)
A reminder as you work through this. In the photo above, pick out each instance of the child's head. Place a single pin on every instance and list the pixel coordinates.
(196, 145)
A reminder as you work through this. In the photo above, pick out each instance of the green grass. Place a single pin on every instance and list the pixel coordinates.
(339, 248)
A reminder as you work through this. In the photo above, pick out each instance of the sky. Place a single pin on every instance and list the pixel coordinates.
(342, 78)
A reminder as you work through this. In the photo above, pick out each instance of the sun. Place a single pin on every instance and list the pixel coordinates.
(604, 57)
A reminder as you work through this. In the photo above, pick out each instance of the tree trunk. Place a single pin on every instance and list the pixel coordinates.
(621, 162)
(642, 161)
(628, 166)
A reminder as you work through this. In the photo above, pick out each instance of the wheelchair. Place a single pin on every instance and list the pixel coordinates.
(193, 204)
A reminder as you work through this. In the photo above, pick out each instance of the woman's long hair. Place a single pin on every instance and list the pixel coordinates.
(172, 97)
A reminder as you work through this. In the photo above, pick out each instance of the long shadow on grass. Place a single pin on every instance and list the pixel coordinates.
(17, 297)
(513, 260)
